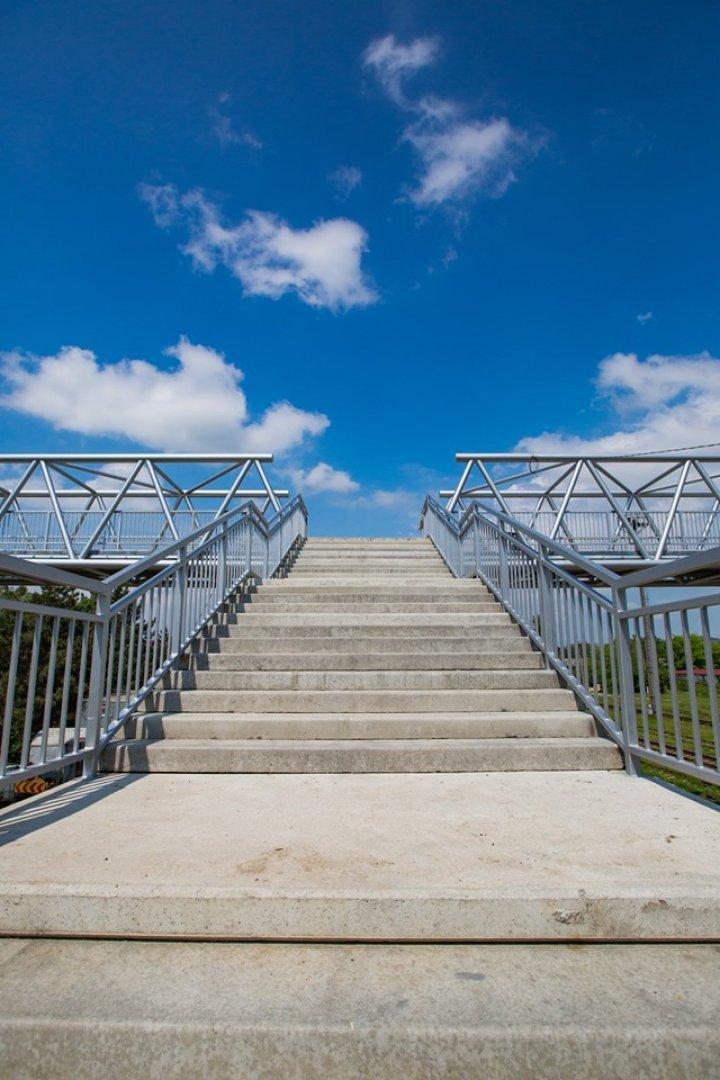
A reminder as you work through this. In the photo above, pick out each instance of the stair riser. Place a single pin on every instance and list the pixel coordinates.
(359, 596)
(250, 619)
(371, 607)
(478, 635)
(418, 681)
(176, 726)
(351, 701)
(362, 581)
(286, 590)
(281, 661)
(442, 756)
(255, 646)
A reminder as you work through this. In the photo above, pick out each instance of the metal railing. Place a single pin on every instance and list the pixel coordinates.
(72, 675)
(647, 671)
(639, 508)
(75, 507)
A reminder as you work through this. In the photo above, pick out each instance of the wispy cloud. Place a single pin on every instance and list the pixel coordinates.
(345, 179)
(197, 405)
(462, 158)
(660, 403)
(392, 63)
(458, 157)
(226, 132)
(644, 317)
(321, 264)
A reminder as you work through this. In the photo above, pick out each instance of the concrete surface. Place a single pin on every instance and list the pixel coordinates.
(359, 755)
(564, 1012)
(552, 856)
(503, 725)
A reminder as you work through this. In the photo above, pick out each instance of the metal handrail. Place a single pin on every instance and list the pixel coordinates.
(631, 665)
(76, 675)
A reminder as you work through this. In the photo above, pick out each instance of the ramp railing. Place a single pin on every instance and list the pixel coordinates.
(74, 669)
(647, 669)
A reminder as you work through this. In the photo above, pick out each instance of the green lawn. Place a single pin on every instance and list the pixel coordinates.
(707, 742)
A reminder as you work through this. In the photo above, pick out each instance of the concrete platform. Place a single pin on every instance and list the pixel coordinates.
(375, 1012)
(463, 857)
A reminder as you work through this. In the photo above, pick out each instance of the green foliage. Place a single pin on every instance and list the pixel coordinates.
(54, 596)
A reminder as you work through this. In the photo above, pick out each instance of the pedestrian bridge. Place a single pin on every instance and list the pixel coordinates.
(331, 795)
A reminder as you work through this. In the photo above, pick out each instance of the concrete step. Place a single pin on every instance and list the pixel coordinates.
(504, 725)
(442, 647)
(280, 660)
(353, 701)
(460, 599)
(522, 856)
(357, 1012)
(375, 551)
(359, 755)
(414, 681)
(250, 619)
(289, 588)
(309, 606)
(362, 581)
(379, 568)
(479, 635)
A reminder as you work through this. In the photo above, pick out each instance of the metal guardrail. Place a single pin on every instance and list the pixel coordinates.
(72, 675)
(638, 508)
(75, 507)
(647, 671)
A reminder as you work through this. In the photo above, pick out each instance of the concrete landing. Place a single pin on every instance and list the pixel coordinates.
(459, 857)
(158, 1010)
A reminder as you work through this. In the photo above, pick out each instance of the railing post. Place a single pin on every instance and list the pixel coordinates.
(97, 684)
(547, 628)
(179, 602)
(503, 571)
(476, 545)
(222, 564)
(625, 675)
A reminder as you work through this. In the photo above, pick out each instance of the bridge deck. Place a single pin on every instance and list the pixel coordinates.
(481, 856)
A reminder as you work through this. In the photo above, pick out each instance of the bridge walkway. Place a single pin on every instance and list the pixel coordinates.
(362, 836)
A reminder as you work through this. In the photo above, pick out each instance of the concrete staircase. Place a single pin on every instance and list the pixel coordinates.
(368, 657)
(362, 835)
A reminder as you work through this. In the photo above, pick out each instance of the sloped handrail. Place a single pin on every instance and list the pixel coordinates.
(633, 666)
(74, 675)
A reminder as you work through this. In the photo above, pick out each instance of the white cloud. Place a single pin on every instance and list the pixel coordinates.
(323, 477)
(661, 403)
(461, 158)
(458, 157)
(345, 179)
(391, 63)
(644, 317)
(322, 264)
(198, 405)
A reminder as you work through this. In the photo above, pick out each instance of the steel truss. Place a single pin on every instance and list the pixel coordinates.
(113, 508)
(629, 509)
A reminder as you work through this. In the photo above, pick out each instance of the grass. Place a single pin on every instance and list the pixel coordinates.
(679, 780)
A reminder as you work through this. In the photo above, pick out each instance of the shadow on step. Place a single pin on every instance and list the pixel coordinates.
(58, 803)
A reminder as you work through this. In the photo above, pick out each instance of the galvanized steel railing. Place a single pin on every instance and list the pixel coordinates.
(647, 671)
(72, 675)
(641, 508)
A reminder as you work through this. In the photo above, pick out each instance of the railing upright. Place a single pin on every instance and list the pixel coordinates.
(98, 664)
(627, 688)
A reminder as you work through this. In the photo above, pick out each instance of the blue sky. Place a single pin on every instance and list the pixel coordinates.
(416, 228)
